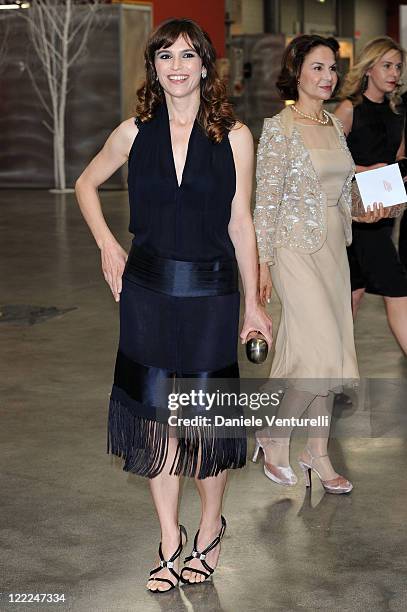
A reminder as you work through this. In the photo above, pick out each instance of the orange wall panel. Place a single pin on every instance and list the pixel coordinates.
(210, 14)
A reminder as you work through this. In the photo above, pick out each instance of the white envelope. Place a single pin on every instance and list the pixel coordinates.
(381, 185)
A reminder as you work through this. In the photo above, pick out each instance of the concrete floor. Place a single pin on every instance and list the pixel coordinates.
(73, 522)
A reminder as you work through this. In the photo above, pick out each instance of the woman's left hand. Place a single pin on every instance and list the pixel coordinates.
(257, 319)
(373, 214)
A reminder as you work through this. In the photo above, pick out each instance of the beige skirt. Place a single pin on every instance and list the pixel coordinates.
(315, 343)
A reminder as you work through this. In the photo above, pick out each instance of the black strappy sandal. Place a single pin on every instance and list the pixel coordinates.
(202, 555)
(169, 564)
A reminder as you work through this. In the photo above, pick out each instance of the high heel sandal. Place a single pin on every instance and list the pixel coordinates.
(169, 564)
(276, 473)
(201, 556)
(337, 485)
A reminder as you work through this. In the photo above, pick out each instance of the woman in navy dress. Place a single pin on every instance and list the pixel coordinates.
(190, 175)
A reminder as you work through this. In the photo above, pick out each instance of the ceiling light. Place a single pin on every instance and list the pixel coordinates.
(15, 5)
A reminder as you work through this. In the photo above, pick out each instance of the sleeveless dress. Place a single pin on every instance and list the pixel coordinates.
(315, 342)
(179, 306)
(403, 222)
(374, 263)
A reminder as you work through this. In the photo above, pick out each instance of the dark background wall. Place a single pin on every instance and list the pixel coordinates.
(393, 20)
(97, 102)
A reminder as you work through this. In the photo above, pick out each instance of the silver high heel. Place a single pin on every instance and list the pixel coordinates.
(276, 473)
(337, 485)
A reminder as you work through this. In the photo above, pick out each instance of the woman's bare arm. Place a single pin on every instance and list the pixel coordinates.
(344, 112)
(242, 234)
(112, 156)
(402, 150)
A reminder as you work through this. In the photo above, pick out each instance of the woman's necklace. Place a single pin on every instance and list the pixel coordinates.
(321, 121)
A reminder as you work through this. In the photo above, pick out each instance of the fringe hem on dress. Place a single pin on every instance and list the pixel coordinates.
(141, 442)
(201, 451)
(210, 449)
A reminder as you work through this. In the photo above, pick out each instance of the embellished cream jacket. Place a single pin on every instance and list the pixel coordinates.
(291, 207)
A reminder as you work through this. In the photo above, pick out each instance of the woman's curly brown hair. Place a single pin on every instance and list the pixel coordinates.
(215, 114)
(293, 59)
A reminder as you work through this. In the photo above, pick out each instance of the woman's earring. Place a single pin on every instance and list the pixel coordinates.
(204, 73)
(365, 82)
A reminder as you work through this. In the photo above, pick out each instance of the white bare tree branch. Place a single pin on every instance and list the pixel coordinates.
(38, 38)
(38, 91)
(89, 17)
(82, 44)
(51, 14)
(5, 31)
(48, 126)
(59, 39)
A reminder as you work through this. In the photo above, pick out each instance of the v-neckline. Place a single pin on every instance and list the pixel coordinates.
(174, 169)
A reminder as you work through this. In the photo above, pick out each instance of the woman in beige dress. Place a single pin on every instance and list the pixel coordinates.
(303, 224)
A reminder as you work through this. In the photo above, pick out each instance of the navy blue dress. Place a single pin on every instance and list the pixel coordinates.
(179, 306)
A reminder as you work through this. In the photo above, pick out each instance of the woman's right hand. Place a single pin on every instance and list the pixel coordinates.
(373, 214)
(114, 259)
(265, 284)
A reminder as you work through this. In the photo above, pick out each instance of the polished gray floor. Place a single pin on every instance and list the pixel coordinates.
(73, 522)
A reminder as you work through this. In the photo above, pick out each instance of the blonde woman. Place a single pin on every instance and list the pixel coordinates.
(374, 123)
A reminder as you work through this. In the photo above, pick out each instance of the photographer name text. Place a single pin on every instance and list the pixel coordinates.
(252, 421)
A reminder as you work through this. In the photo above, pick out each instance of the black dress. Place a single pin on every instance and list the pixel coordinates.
(403, 223)
(374, 263)
(403, 240)
(179, 306)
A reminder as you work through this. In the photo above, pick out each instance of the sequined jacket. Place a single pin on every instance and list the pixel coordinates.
(291, 207)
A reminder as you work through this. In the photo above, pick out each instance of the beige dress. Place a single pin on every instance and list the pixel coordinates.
(315, 337)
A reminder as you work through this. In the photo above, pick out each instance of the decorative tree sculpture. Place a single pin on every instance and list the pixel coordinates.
(59, 35)
(4, 36)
